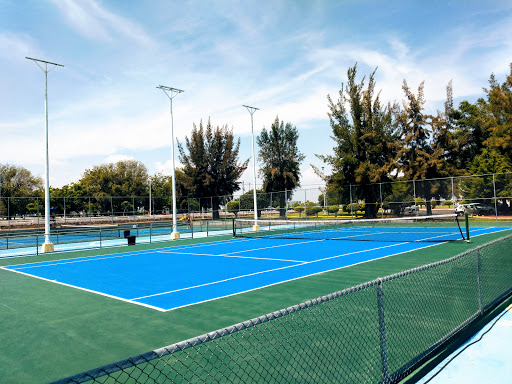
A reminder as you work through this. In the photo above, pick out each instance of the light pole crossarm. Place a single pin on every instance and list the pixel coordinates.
(172, 91)
(43, 61)
(251, 109)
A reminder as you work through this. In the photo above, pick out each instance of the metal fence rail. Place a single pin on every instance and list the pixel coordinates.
(375, 332)
(402, 197)
(26, 242)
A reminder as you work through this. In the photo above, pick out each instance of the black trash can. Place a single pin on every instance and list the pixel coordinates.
(131, 240)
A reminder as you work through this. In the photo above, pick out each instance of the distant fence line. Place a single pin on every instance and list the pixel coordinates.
(493, 190)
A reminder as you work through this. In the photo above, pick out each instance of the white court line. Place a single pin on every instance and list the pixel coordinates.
(270, 270)
(41, 264)
(235, 257)
(275, 246)
(241, 292)
(88, 290)
(71, 261)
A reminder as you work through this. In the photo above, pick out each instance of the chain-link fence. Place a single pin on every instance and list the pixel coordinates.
(27, 242)
(376, 332)
(485, 195)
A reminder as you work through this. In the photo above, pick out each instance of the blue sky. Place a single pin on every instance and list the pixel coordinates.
(283, 57)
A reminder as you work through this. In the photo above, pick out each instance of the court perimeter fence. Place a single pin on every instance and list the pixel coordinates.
(376, 332)
(27, 242)
(492, 191)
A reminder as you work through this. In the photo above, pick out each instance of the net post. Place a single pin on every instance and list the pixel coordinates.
(234, 230)
(466, 222)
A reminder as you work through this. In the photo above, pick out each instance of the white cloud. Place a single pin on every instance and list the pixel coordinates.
(95, 22)
(223, 56)
(165, 168)
(117, 157)
(17, 47)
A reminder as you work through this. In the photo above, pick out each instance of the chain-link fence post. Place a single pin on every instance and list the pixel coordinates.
(351, 206)
(382, 331)
(495, 200)
(381, 202)
(479, 280)
(286, 203)
(37, 209)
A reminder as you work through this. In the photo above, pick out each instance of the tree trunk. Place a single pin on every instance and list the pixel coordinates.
(370, 207)
(282, 205)
(215, 209)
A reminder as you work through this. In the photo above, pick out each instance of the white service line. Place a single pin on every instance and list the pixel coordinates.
(270, 270)
(235, 257)
(89, 290)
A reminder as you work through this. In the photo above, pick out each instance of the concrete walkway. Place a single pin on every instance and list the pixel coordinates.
(486, 361)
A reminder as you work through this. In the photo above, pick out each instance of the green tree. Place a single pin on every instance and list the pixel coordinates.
(426, 144)
(18, 189)
(247, 201)
(233, 207)
(498, 115)
(161, 192)
(469, 133)
(126, 178)
(280, 159)
(365, 142)
(210, 159)
(489, 161)
(485, 124)
(333, 209)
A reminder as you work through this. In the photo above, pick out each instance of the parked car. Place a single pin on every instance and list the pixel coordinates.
(474, 209)
(411, 209)
(462, 208)
(482, 209)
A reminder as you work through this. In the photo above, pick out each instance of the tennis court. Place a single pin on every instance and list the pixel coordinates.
(169, 278)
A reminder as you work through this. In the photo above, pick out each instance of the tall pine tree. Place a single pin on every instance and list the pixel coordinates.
(427, 148)
(280, 159)
(210, 161)
(365, 142)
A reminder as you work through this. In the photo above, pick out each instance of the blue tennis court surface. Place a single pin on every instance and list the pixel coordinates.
(170, 278)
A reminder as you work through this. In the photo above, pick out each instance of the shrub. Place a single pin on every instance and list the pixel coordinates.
(420, 202)
(233, 207)
(313, 210)
(354, 207)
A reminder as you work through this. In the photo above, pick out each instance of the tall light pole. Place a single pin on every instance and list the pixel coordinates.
(255, 227)
(171, 94)
(43, 65)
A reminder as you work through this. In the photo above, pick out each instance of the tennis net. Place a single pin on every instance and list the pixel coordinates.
(436, 228)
